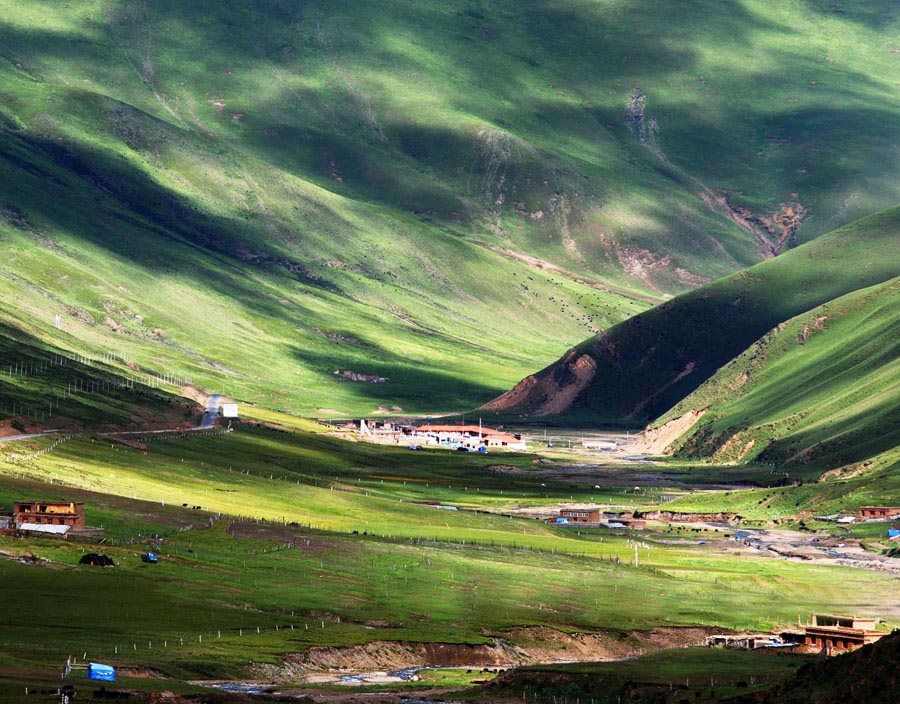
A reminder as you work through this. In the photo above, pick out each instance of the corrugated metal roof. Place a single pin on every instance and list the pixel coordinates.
(44, 528)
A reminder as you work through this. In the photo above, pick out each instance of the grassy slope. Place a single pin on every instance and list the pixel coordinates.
(320, 188)
(417, 574)
(224, 321)
(693, 674)
(646, 365)
(821, 389)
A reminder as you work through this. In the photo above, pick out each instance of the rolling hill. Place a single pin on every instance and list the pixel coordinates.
(444, 195)
(821, 389)
(640, 369)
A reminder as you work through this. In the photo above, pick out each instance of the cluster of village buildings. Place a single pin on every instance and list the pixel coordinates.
(474, 438)
(456, 436)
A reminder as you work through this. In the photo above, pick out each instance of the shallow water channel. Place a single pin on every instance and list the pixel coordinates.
(406, 674)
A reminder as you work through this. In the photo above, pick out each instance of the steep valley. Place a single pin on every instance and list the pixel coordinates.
(319, 212)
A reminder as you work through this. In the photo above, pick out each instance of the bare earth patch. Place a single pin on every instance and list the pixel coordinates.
(655, 440)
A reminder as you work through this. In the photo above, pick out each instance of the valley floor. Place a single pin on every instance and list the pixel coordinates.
(294, 559)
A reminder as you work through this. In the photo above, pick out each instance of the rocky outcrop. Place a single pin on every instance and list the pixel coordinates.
(551, 391)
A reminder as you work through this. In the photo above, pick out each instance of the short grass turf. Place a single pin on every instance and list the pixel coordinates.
(280, 554)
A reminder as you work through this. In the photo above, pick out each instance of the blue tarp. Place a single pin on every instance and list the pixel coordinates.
(893, 532)
(97, 671)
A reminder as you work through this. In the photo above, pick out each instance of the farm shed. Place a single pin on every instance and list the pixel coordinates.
(882, 513)
(581, 515)
(44, 529)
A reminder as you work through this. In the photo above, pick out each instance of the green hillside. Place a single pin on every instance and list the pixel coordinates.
(254, 197)
(821, 389)
(328, 208)
(638, 370)
(170, 295)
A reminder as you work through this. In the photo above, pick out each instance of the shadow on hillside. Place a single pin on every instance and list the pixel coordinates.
(411, 383)
(876, 15)
(860, 437)
(52, 387)
(101, 199)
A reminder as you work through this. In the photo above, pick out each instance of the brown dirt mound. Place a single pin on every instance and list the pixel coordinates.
(550, 391)
(392, 655)
(521, 646)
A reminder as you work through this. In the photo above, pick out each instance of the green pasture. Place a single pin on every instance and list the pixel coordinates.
(199, 608)
(693, 674)
(323, 553)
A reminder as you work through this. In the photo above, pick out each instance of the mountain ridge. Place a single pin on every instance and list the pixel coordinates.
(354, 170)
(820, 389)
(638, 370)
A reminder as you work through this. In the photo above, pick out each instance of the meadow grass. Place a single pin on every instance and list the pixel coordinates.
(283, 557)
